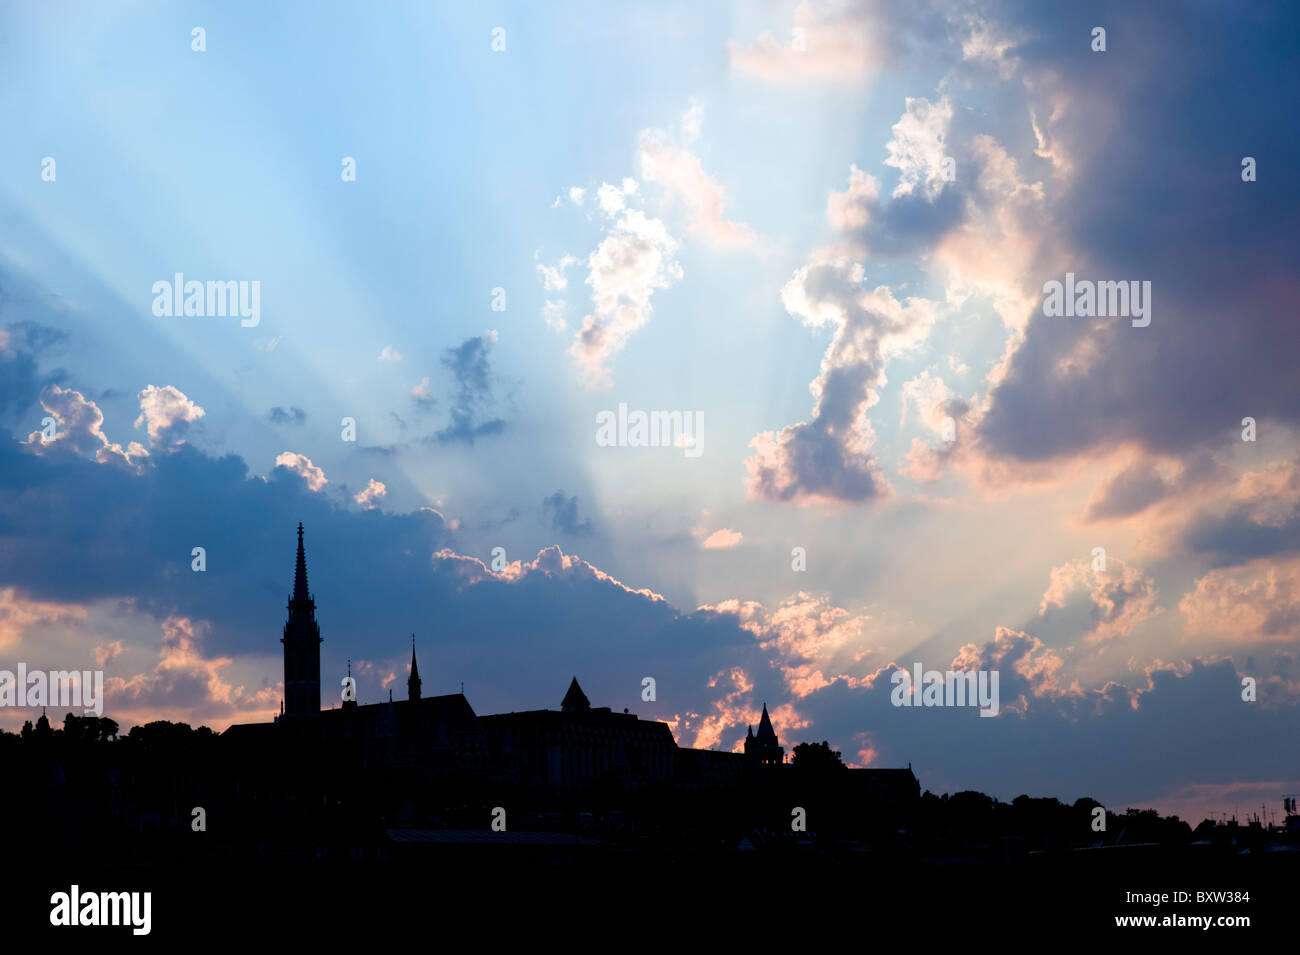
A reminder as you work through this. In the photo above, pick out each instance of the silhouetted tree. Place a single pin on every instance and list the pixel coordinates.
(817, 757)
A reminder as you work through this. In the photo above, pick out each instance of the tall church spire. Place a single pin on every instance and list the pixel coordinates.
(302, 642)
(300, 572)
(413, 681)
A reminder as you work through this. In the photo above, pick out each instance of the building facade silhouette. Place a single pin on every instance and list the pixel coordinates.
(572, 748)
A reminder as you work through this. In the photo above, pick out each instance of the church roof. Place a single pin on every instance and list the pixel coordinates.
(765, 730)
(575, 699)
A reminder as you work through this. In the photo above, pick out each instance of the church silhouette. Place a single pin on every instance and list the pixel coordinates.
(574, 748)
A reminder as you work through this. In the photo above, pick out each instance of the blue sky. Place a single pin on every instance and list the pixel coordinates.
(744, 206)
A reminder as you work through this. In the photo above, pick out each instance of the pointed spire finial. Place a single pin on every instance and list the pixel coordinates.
(300, 594)
(413, 681)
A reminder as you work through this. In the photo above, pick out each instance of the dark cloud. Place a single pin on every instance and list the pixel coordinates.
(828, 456)
(22, 345)
(1188, 728)
(294, 416)
(1129, 492)
(563, 512)
(469, 365)
(377, 576)
(1238, 537)
(1156, 131)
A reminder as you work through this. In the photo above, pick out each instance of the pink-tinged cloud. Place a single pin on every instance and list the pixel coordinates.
(18, 613)
(1122, 596)
(1257, 603)
(722, 539)
(827, 42)
(187, 686)
(107, 652)
(684, 180)
(732, 710)
(550, 562)
(1014, 651)
(301, 465)
(806, 637)
(372, 495)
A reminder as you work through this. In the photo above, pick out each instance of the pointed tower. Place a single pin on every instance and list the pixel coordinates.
(575, 700)
(350, 703)
(413, 681)
(763, 746)
(302, 642)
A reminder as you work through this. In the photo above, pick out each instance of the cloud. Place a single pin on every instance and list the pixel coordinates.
(372, 495)
(167, 414)
(470, 367)
(185, 685)
(389, 353)
(22, 345)
(632, 261)
(722, 539)
(1122, 596)
(1255, 516)
(294, 416)
(851, 210)
(301, 465)
(1259, 604)
(422, 395)
(107, 652)
(18, 613)
(938, 409)
(1161, 389)
(917, 149)
(986, 42)
(1112, 743)
(79, 426)
(829, 42)
(1026, 667)
(552, 276)
(692, 122)
(828, 458)
(564, 515)
(683, 178)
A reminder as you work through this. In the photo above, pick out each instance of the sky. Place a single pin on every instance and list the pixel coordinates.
(821, 233)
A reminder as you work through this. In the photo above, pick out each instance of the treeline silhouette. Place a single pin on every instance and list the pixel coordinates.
(135, 795)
